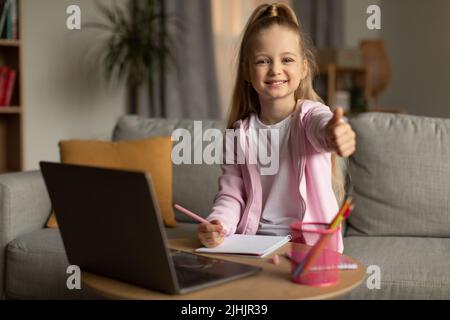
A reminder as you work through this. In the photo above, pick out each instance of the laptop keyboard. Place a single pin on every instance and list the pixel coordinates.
(193, 270)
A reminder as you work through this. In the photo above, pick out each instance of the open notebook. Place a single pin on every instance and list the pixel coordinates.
(258, 246)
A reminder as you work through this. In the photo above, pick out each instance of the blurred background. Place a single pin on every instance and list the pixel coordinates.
(176, 59)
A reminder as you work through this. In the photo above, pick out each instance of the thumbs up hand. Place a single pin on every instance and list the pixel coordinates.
(339, 136)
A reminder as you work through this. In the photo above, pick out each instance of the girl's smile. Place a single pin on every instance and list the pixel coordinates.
(275, 83)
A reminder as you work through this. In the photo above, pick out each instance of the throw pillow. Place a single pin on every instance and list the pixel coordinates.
(152, 155)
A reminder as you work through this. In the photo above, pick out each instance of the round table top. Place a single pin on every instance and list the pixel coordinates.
(272, 283)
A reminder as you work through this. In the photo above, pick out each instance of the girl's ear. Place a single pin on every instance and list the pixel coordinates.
(305, 69)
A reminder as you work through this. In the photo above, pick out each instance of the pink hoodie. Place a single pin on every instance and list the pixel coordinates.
(238, 204)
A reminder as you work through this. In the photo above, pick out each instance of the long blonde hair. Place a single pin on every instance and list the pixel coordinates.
(245, 99)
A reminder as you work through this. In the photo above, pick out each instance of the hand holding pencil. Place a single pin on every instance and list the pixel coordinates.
(210, 234)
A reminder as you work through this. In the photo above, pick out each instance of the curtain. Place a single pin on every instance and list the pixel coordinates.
(322, 20)
(189, 89)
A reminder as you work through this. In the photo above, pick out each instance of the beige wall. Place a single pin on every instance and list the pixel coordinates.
(355, 17)
(417, 34)
(417, 37)
(64, 94)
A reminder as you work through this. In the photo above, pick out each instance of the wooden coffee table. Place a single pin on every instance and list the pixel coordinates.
(272, 283)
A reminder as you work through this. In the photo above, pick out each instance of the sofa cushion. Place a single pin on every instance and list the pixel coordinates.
(400, 173)
(411, 268)
(36, 265)
(194, 186)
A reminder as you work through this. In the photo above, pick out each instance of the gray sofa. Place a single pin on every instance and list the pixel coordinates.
(400, 174)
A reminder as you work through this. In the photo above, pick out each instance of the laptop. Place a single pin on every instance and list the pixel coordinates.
(111, 225)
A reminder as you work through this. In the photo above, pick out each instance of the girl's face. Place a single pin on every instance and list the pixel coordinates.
(276, 64)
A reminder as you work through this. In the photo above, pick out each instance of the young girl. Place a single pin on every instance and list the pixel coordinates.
(273, 91)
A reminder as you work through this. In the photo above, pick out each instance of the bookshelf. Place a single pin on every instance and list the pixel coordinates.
(11, 109)
(333, 77)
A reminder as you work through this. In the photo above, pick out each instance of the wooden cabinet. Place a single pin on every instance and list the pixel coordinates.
(343, 78)
(11, 114)
(334, 77)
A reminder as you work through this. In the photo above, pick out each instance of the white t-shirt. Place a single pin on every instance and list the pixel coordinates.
(280, 202)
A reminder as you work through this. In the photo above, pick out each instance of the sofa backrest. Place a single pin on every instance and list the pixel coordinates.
(400, 173)
(194, 185)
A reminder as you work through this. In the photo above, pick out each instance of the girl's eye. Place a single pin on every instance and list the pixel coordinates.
(263, 61)
(287, 60)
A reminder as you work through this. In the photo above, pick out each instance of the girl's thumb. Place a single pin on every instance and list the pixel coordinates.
(338, 114)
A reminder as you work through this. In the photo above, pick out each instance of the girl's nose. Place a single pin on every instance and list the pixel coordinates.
(275, 68)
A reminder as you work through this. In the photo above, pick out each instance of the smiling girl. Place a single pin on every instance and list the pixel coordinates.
(273, 91)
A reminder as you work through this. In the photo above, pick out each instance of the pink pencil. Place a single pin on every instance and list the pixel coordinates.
(191, 214)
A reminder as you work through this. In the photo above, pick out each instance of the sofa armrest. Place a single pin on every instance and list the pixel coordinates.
(24, 207)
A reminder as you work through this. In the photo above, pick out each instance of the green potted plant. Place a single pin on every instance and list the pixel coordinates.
(138, 46)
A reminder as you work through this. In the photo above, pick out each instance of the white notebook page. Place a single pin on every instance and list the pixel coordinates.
(254, 245)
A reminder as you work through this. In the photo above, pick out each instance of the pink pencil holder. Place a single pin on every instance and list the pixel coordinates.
(324, 270)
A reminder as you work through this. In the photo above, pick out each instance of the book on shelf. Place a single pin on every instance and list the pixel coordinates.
(8, 19)
(7, 84)
(4, 4)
